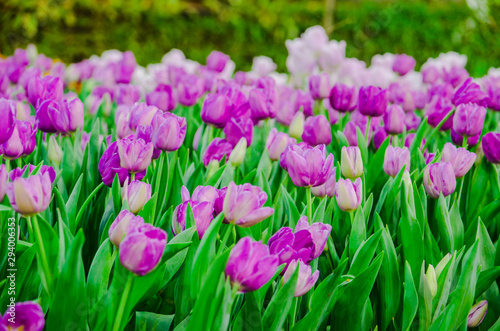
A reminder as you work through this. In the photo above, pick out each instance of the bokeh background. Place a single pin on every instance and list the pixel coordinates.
(72, 30)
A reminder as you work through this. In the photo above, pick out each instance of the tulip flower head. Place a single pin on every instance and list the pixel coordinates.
(277, 142)
(306, 278)
(123, 224)
(27, 316)
(169, 131)
(351, 162)
(439, 178)
(394, 160)
(244, 205)
(460, 158)
(202, 212)
(349, 194)
(343, 98)
(7, 114)
(319, 86)
(394, 119)
(477, 314)
(237, 128)
(317, 131)
(372, 101)
(137, 194)
(403, 64)
(328, 188)
(491, 147)
(135, 154)
(250, 265)
(216, 151)
(468, 120)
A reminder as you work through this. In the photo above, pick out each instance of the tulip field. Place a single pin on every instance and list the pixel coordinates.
(341, 195)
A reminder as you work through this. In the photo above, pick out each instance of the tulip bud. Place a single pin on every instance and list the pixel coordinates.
(216, 110)
(169, 131)
(319, 86)
(137, 194)
(460, 158)
(395, 159)
(477, 314)
(296, 127)
(277, 142)
(317, 131)
(351, 162)
(142, 248)
(237, 156)
(306, 278)
(394, 119)
(343, 98)
(123, 223)
(372, 101)
(403, 64)
(349, 194)
(431, 280)
(30, 196)
(213, 166)
(469, 119)
(439, 178)
(491, 147)
(55, 152)
(250, 266)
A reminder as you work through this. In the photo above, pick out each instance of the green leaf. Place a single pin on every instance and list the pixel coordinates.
(444, 282)
(280, 304)
(51, 247)
(364, 254)
(216, 177)
(425, 301)
(410, 301)
(413, 252)
(100, 269)
(145, 321)
(358, 233)
(486, 278)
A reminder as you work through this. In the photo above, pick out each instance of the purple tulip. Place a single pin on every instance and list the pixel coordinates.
(169, 131)
(470, 92)
(460, 158)
(7, 114)
(201, 194)
(18, 172)
(31, 195)
(491, 147)
(250, 266)
(343, 98)
(477, 314)
(3, 181)
(127, 94)
(162, 98)
(379, 136)
(135, 154)
(351, 134)
(403, 64)
(124, 223)
(203, 212)
(289, 246)
(469, 119)
(306, 278)
(429, 157)
(46, 88)
(439, 178)
(394, 160)
(455, 76)
(304, 101)
(319, 86)
(349, 194)
(124, 69)
(244, 205)
(317, 131)
(307, 166)
(122, 120)
(141, 114)
(277, 142)
(137, 194)
(430, 74)
(319, 234)
(109, 166)
(492, 86)
(189, 89)
(216, 150)
(26, 316)
(216, 110)
(217, 61)
(409, 139)
(142, 248)
(237, 128)
(262, 104)
(22, 141)
(394, 119)
(372, 101)
(412, 121)
(436, 111)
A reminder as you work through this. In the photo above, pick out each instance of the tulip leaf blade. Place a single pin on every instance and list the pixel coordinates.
(485, 280)
(358, 233)
(99, 272)
(410, 300)
(145, 320)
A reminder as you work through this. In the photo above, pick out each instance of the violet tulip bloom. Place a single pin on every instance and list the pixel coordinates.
(142, 249)
(189, 89)
(394, 160)
(439, 178)
(379, 136)
(317, 131)
(203, 213)
(436, 110)
(109, 166)
(63, 116)
(169, 131)
(123, 224)
(162, 98)
(216, 150)
(351, 134)
(304, 101)
(262, 103)
(372, 101)
(306, 278)
(319, 86)
(22, 141)
(289, 245)
(237, 128)
(216, 110)
(394, 119)
(141, 114)
(412, 121)
(137, 194)
(277, 142)
(468, 120)
(250, 266)
(470, 92)
(46, 88)
(244, 205)
(127, 94)
(3, 181)
(343, 98)
(18, 172)
(7, 114)
(403, 64)
(319, 233)
(491, 147)
(217, 61)
(31, 195)
(307, 166)
(26, 316)
(135, 154)
(460, 158)
(349, 194)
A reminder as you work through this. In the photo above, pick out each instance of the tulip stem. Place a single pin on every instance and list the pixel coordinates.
(226, 236)
(309, 204)
(368, 131)
(41, 250)
(464, 142)
(123, 302)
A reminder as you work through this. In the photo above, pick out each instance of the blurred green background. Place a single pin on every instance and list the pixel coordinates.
(75, 29)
